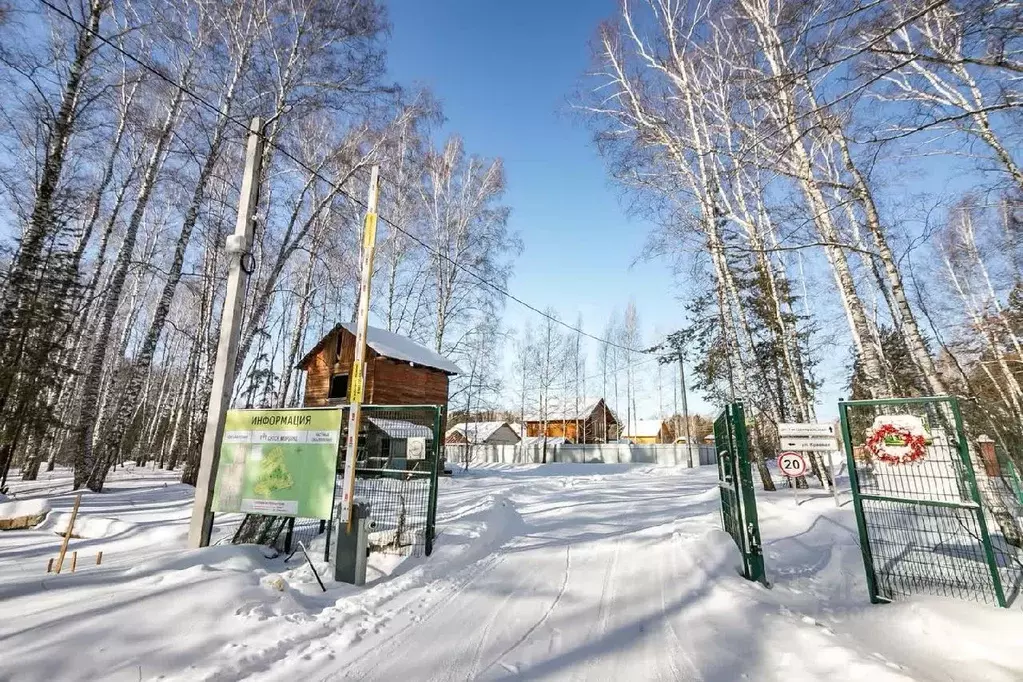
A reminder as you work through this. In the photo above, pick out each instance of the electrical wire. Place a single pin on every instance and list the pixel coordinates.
(341, 190)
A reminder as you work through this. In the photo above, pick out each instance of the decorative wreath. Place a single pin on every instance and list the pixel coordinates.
(915, 444)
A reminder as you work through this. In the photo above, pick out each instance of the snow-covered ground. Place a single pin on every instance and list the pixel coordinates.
(579, 572)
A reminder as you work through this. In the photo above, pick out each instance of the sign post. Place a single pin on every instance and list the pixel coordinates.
(357, 389)
(793, 465)
(813, 438)
(834, 479)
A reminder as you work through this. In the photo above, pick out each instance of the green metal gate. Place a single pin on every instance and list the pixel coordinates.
(735, 481)
(926, 526)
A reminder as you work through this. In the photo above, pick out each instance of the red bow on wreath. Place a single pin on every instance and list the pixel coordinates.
(876, 445)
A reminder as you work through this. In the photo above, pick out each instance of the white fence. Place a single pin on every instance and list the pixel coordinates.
(703, 455)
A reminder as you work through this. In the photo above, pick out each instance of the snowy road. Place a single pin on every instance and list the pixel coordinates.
(557, 572)
(589, 584)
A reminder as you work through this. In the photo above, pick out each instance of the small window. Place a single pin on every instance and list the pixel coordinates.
(338, 387)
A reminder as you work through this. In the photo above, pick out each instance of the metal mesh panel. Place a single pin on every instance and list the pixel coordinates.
(396, 474)
(927, 549)
(731, 519)
(398, 508)
(945, 524)
(738, 502)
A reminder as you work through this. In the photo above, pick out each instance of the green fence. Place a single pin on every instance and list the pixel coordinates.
(735, 482)
(396, 473)
(932, 518)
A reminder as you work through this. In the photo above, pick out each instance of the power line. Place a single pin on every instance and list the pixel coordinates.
(341, 190)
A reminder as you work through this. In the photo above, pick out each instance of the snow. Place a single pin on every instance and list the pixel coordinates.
(479, 432)
(17, 509)
(540, 572)
(399, 347)
(400, 428)
(534, 441)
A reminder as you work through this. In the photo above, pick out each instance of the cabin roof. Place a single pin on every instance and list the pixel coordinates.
(399, 428)
(565, 410)
(477, 432)
(390, 345)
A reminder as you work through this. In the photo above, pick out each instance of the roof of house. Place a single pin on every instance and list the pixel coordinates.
(644, 428)
(399, 428)
(477, 432)
(565, 410)
(390, 345)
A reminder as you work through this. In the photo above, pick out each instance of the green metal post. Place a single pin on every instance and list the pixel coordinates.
(750, 518)
(971, 479)
(861, 523)
(431, 512)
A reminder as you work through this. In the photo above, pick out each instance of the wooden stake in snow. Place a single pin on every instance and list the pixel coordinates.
(99, 558)
(356, 391)
(67, 533)
(74, 561)
(49, 565)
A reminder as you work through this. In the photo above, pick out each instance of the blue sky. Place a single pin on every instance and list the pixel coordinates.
(505, 73)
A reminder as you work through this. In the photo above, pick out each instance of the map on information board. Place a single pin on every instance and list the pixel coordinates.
(278, 462)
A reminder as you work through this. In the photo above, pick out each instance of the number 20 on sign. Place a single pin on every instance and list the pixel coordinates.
(793, 465)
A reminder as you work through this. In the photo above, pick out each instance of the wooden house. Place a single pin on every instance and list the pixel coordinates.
(482, 433)
(648, 432)
(592, 422)
(399, 371)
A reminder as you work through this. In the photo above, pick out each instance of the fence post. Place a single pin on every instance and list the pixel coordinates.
(971, 479)
(431, 511)
(861, 524)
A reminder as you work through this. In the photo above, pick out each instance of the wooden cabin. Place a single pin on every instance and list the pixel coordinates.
(482, 433)
(648, 432)
(592, 422)
(399, 371)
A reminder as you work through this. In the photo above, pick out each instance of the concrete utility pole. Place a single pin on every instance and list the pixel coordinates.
(685, 409)
(356, 391)
(237, 247)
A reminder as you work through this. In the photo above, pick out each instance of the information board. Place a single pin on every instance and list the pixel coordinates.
(278, 462)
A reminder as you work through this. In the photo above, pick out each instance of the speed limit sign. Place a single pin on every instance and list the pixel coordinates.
(792, 464)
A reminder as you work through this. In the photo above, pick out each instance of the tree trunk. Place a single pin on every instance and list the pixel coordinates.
(90, 469)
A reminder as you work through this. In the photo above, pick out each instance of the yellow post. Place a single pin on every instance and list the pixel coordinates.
(356, 391)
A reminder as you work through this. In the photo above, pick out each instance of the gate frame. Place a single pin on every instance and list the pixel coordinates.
(969, 479)
(735, 452)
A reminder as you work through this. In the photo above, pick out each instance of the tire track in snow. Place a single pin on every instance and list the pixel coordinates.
(485, 634)
(473, 573)
(691, 671)
(604, 610)
(544, 617)
(354, 616)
